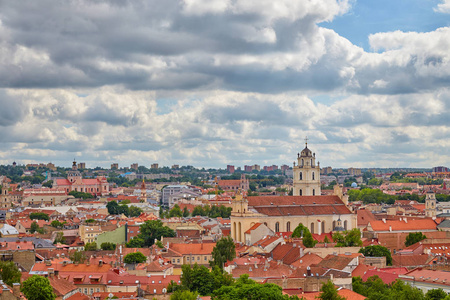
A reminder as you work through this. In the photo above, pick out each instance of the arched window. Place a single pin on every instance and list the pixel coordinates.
(239, 230)
(323, 226)
(288, 226)
(345, 225)
(334, 225)
(311, 161)
(277, 227)
(301, 192)
(302, 161)
(314, 192)
(312, 228)
(313, 176)
(301, 176)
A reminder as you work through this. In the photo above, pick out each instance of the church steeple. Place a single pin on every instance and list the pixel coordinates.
(306, 173)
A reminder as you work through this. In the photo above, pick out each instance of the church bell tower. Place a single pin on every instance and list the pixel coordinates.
(306, 174)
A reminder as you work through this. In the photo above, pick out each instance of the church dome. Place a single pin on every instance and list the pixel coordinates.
(306, 151)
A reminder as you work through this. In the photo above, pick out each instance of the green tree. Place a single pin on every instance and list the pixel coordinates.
(329, 292)
(134, 211)
(9, 273)
(414, 237)
(135, 242)
(185, 212)
(202, 280)
(59, 238)
(81, 195)
(303, 231)
(134, 258)
(435, 294)
(377, 251)
(224, 251)
(78, 256)
(176, 211)
(48, 183)
(350, 238)
(37, 288)
(56, 224)
(39, 216)
(184, 295)
(34, 227)
(108, 246)
(198, 211)
(152, 230)
(245, 288)
(113, 207)
(90, 246)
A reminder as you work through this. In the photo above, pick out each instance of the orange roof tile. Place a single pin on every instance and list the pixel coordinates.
(397, 225)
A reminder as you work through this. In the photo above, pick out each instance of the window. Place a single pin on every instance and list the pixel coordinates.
(312, 228)
(314, 192)
(206, 258)
(313, 176)
(300, 192)
(301, 176)
(198, 258)
(178, 260)
(277, 227)
(288, 226)
(187, 258)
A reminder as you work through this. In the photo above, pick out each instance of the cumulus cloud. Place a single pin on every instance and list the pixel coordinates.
(223, 127)
(443, 7)
(216, 82)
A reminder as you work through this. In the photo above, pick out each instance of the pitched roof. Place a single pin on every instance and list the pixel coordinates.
(202, 248)
(410, 260)
(364, 217)
(397, 225)
(335, 261)
(387, 277)
(253, 228)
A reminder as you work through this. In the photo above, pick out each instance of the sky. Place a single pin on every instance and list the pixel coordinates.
(209, 83)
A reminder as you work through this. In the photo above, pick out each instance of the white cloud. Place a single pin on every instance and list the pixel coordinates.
(443, 7)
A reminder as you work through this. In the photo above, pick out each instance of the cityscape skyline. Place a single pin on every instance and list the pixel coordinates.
(212, 83)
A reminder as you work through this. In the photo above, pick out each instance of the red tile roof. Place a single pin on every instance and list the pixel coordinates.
(397, 225)
(253, 228)
(385, 276)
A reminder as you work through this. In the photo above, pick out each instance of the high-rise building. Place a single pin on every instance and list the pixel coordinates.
(134, 166)
(114, 166)
(230, 169)
(154, 166)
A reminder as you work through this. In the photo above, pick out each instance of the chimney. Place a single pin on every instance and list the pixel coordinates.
(100, 263)
(390, 228)
(56, 273)
(48, 263)
(406, 220)
(384, 220)
(16, 289)
(50, 271)
(308, 271)
(64, 263)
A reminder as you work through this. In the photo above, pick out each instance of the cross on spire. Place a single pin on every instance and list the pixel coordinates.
(306, 140)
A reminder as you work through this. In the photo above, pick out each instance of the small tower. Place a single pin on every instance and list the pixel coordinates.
(430, 204)
(306, 174)
(74, 165)
(143, 190)
(239, 204)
